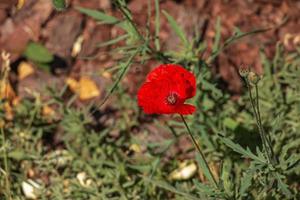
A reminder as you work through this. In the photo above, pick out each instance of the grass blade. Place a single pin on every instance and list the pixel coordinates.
(217, 36)
(178, 30)
(98, 15)
(113, 41)
(166, 186)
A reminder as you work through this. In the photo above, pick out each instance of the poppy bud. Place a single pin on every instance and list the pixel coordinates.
(253, 78)
(244, 71)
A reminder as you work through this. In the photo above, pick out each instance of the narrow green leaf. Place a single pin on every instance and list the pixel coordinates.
(259, 153)
(207, 103)
(282, 186)
(204, 168)
(44, 66)
(292, 160)
(212, 87)
(236, 36)
(217, 36)
(131, 31)
(59, 4)
(124, 69)
(98, 15)
(141, 168)
(204, 188)
(108, 19)
(230, 123)
(178, 30)
(246, 180)
(266, 64)
(288, 147)
(38, 53)
(112, 41)
(226, 176)
(17, 155)
(205, 137)
(166, 186)
(239, 149)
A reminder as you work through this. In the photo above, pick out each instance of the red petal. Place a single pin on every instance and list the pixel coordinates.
(162, 81)
(151, 97)
(182, 80)
(185, 109)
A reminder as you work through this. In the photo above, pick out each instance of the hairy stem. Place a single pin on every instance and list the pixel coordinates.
(267, 137)
(199, 151)
(258, 123)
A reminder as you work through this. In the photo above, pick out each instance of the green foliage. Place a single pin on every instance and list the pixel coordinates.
(244, 152)
(99, 16)
(204, 169)
(59, 4)
(177, 29)
(39, 55)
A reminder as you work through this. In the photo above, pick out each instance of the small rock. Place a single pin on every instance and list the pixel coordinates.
(31, 189)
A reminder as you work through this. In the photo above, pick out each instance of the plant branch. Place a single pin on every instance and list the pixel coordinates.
(267, 137)
(155, 53)
(258, 123)
(199, 151)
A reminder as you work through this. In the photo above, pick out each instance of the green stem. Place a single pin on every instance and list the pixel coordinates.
(128, 18)
(155, 53)
(267, 137)
(157, 25)
(5, 160)
(257, 118)
(199, 151)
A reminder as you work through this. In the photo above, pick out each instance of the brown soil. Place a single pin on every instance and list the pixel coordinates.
(38, 21)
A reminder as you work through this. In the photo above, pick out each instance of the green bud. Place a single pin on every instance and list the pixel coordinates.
(253, 78)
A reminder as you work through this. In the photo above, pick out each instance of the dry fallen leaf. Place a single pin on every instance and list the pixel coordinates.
(48, 111)
(77, 46)
(85, 88)
(20, 4)
(106, 74)
(185, 171)
(83, 180)
(72, 83)
(9, 114)
(2, 123)
(15, 101)
(214, 167)
(24, 69)
(6, 91)
(135, 148)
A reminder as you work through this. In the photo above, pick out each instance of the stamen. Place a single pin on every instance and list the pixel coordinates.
(172, 98)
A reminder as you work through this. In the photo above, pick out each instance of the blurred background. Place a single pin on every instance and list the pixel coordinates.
(63, 64)
(38, 21)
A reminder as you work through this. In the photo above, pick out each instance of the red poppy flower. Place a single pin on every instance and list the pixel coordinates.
(166, 89)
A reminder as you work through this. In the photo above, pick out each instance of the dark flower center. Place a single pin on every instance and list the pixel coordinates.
(172, 98)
